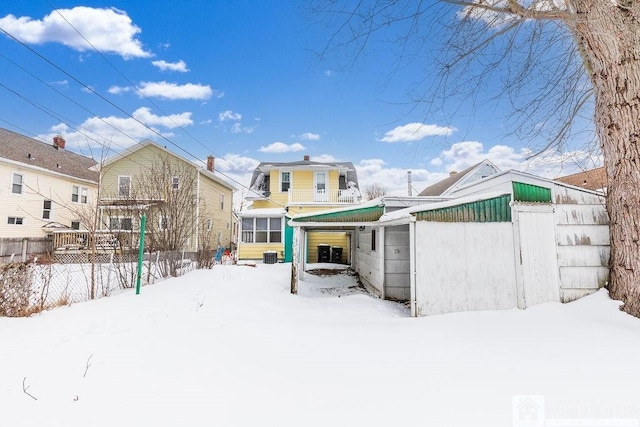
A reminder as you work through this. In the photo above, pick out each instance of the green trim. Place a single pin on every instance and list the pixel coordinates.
(530, 193)
(497, 209)
(368, 214)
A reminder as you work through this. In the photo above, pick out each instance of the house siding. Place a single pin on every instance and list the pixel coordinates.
(367, 261)
(326, 238)
(39, 185)
(222, 223)
(464, 266)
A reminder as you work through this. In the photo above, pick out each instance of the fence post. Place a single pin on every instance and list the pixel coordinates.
(109, 274)
(143, 225)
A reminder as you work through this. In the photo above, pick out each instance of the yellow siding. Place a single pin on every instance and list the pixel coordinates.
(221, 216)
(254, 251)
(297, 210)
(302, 180)
(37, 187)
(328, 238)
(334, 179)
(277, 197)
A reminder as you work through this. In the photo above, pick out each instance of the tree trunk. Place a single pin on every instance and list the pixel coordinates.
(608, 36)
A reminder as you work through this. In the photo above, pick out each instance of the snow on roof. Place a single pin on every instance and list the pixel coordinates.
(267, 212)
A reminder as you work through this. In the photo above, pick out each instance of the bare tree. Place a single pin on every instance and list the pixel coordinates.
(556, 59)
(373, 191)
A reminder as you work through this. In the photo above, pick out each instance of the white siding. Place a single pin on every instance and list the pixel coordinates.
(582, 238)
(367, 262)
(464, 266)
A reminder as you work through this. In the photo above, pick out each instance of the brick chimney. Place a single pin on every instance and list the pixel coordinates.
(210, 163)
(306, 158)
(452, 173)
(58, 142)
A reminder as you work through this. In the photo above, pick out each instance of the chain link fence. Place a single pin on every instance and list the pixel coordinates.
(67, 278)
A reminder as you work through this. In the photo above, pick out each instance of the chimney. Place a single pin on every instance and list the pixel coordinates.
(306, 158)
(409, 183)
(58, 142)
(210, 163)
(452, 173)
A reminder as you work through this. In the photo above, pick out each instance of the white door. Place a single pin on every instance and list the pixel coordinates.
(320, 186)
(537, 255)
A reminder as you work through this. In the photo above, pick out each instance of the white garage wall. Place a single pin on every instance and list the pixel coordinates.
(367, 261)
(464, 266)
(397, 260)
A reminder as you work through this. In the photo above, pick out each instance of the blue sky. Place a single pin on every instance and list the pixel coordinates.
(240, 80)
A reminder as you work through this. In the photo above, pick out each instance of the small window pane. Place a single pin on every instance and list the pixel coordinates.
(247, 224)
(16, 188)
(275, 236)
(261, 223)
(261, 237)
(274, 223)
(127, 224)
(75, 193)
(75, 225)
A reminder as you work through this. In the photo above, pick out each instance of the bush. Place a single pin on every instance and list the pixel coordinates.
(15, 290)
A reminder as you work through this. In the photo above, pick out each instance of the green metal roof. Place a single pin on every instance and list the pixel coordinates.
(368, 214)
(530, 193)
(496, 209)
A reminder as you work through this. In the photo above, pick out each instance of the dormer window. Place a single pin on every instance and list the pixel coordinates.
(285, 181)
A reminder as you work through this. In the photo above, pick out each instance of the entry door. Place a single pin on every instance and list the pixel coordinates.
(538, 255)
(320, 186)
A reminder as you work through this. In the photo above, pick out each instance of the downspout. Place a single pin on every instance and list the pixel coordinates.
(412, 265)
(381, 257)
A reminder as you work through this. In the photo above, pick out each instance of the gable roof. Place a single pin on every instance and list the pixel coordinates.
(593, 179)
(351, 174)
(442, 187)
(32, 153)
(139, 146)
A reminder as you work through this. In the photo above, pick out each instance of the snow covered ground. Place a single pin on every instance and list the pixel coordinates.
(232, 347)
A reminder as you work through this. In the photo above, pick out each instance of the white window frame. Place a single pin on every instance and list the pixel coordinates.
(282, 181)
(209, 224)
(13, 183)
(221, 201)
(80, 193)
(15, 220)
(76, 222)
(254, 231)
(121, 186)
(175, 183)
(120, 219)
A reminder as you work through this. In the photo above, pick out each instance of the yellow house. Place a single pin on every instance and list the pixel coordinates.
(188, 207)
(280, 191)
(44, 188)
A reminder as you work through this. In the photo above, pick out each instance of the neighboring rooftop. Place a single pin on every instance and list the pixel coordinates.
(53, 157)
(593, 179)
(457, 179)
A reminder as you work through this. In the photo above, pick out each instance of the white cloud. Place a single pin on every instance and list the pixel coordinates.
(393, 179)
(229, 115)
(120, 132)
(310, 136)
(328, 73)
(327, 158)
(238, 128)
(180, 66)
(108, 30)
(236, 163)
(416, 132)
(117, 90)
(174, 91)
(281, 147)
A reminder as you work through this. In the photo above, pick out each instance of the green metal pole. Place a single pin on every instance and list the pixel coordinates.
(143, 225)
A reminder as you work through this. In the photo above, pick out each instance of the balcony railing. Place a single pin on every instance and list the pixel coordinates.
(326, 197)
(81, 240)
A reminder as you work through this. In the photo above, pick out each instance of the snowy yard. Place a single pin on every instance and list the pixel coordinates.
(232, 347)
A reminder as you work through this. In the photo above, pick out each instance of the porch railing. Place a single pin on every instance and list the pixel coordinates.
(83, 240)
(331, 197)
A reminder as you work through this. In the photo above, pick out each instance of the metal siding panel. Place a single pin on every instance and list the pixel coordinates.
(581, 215)
(583, 277)
(594, 235)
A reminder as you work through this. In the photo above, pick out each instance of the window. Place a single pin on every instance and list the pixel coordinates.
(117, 223)
(221, 201)
(228, 225)
(175, 183)
(79, 194)
(209, 224)
(16, 187)
(285, 181)
(373, 240)
(46, 209)
(262, 230)
(124, 186)
(13, 220)
(75, 225)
